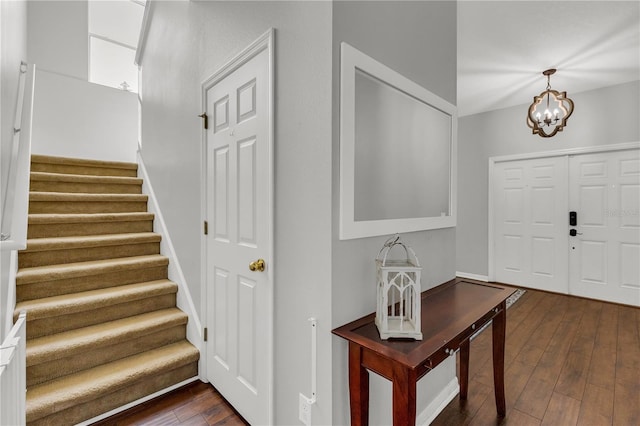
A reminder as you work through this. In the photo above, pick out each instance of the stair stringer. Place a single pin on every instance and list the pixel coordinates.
(184, 301)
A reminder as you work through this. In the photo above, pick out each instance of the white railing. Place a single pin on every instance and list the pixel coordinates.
(14, 205)
(13, 376)
(15, 202)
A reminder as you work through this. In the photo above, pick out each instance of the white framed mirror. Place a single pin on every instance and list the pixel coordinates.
(398, 144)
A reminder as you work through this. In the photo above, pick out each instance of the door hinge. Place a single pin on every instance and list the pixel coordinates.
(205, 120)
(206, 334)
(206, 228)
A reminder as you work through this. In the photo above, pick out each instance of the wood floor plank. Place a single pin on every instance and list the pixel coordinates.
(516, 417)
(562, 410)
(627, 380)
(527, 319)
(521, 310)
(196, 420)
(195, 404)
(628, 348)
(518, 375)
(554, 357)
(456, 414)
(602, 369)
(520, 335)
(530, 350)
(200, 404)
(535, 397)
(573, 377)
(626, 409)
(546, 327)
(219, 414)
(480, 359)
(596, 407)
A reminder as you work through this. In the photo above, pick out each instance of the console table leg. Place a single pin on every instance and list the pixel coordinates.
(499, 329)
(464, 370)
(404, 396)
(358, 387)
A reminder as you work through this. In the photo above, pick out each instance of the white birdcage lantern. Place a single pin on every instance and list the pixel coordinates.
(398, 311)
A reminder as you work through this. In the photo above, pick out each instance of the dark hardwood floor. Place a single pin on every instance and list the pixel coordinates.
(568, 361)
(196, 404)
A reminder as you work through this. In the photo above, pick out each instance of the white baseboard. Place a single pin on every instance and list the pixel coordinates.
(472, 276)
(439, 403)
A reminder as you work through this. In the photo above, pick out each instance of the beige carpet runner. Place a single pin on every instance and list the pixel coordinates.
(103, 329)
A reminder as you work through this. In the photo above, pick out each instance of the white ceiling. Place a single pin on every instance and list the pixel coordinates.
(503, 47)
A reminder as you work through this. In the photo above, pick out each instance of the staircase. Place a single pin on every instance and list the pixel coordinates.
(103, 329)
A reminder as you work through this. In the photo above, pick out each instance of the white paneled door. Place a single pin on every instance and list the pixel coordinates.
(530, 223)
(537, 245)
(239, 284)
(604, 255)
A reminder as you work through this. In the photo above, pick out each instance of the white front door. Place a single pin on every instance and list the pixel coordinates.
(532, 245)
(530, 233)
(604, 255)
(239, 211)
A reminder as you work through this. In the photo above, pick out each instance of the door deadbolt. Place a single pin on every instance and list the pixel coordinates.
(257, 265)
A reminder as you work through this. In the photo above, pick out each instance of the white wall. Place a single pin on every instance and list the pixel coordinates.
(189, 41)
(58, 36)
(417, 39)
(75, 118)
(13, 38)
(603, 116)
(13, 49)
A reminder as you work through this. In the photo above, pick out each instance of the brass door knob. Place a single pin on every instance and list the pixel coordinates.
(257, 265)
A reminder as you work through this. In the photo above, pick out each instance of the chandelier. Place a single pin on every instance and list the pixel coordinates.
(550, 110)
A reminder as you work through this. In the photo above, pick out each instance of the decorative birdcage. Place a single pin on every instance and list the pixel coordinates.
(398, 311)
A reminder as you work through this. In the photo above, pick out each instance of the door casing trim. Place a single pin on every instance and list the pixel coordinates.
(265, 42)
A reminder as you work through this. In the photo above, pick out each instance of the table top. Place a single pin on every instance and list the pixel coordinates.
(448, 310)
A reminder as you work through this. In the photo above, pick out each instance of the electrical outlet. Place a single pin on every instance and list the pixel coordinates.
(304, 410)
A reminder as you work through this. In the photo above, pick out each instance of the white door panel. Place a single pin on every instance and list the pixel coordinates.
(605, 253)
(529, 223)
(238, 207)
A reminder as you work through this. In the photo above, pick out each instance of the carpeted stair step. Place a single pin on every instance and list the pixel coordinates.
(103, 329)
(49, 164)
(57, 314)
(56, 280)
(68, 225)
(57, 182)
(53, 251)
(74, 398)
(61, 354)
(66, 202)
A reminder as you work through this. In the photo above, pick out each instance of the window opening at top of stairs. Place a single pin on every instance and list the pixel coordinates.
(114, 27)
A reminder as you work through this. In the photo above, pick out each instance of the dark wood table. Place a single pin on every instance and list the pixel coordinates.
(451, 314)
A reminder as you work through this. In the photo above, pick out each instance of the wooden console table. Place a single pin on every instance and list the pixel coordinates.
(451, 313)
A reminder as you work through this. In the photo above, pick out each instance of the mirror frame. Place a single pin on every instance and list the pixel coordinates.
(352, 60)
